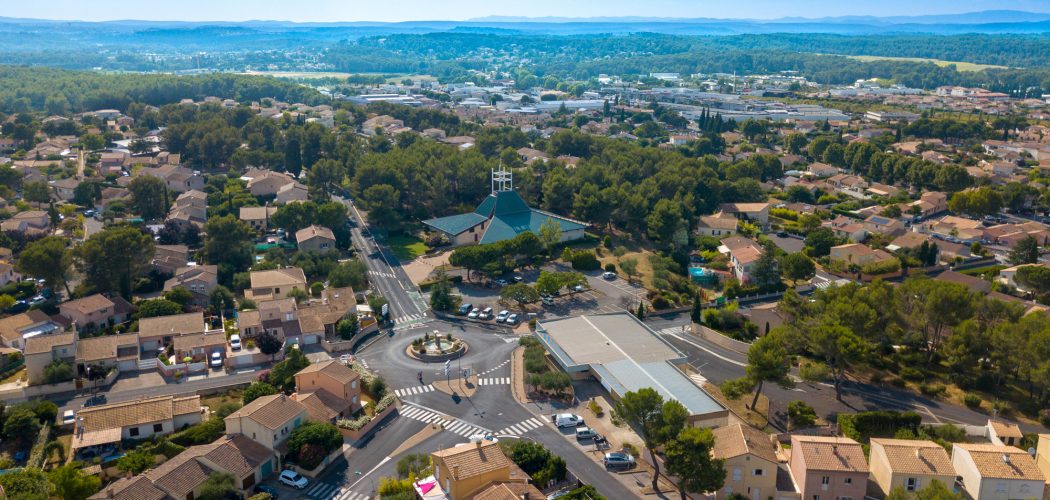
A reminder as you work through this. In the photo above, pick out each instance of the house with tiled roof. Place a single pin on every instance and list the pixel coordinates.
(257, 217)
(95, 311)
(501, 216)
(330, 390)
(41, 350)
(107, 352)
(909, 464)
(292, 192)
(828, 468)
(1004, 433)
(858, 254)
(273, 284)
(169, 258)
(97, 427)
(468, 469)
(268, 420)
(753, 212)
(200, 281)
(162, 330)
(31, 222)
(17, 328)
(997, 472)
(182, 476)
(718, 225)
(750, 461)
(200, 346)
(315, 237)
(743, 253)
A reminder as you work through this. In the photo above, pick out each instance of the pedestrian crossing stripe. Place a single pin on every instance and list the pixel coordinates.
(350, 495)
(674, 330)
(522, 427)
(322, 490)
(450, 424)
(494, 381)
(382, 274)
(412, 391)
(501, 365)
(407, 319)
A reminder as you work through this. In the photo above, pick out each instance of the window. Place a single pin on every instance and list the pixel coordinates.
(276, 290)
(353, 385)
(134, 431)
(825, 480)
(758, 472)
(848, 480)
(912, 484)
(158, 427)
(736, 474)
(816, 497)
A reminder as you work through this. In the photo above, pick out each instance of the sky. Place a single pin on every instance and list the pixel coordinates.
(418, 10)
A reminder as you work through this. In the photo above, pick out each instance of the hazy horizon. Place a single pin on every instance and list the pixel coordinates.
(461, 10)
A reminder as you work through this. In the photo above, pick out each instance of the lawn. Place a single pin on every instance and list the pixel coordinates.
(17, 375)
(407, 247)
(645, 269)
(214, 401)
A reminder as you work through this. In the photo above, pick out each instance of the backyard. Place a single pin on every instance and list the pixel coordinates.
(406, 247)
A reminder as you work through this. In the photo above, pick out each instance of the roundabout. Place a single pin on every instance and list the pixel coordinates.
(436, 347)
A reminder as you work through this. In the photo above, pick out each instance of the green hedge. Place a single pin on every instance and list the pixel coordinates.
(863, 426)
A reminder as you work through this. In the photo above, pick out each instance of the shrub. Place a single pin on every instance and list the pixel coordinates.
(610, 267)
(911, 374)
(355, 424)
(630, 448)
(316, 288)
(58, 371)
(595, 408)
(865, 425)
(660, 302)
(814, 372)
(801, 414)
(584, 260)
(972, 400)
(933, 389)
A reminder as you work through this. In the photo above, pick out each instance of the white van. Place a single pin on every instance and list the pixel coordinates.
(567, 420)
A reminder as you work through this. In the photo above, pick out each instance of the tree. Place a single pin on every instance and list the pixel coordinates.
(1025, 251)
(655, 420)
(413, 463)
(111, 259)
(629, 266)
(441, 297)
(767, 360)
(383, 203)
(795, 143)
(87, 193)
(58, 371)
(136, 461)
(228, 244)
(549, 283)
(349, 327)
(801, 414)
(36, 192)
(936, 490)
(179, 295)
(257, 390)
(351, 273)
(49, 259)
(840, 348)
(1034, 277)
(71, 484)
(299, 295)
(520, 293)
(158, 307)
(268, 343)
(690, 459)
(218, 486)
(21, 424)
(820, 241)
(550, 235)
(766, 271)
(796, 267)
(976, 202)
(221, 299)
(149, 196)
(25, 484)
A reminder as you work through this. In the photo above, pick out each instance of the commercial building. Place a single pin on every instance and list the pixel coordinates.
(625, 355)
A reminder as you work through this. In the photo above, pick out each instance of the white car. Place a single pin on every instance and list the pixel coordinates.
(293, 479)
(512, 319)
(474, 313)
(346, 359)
(216, 359)
(235, 342)
(562, 420)
(609, 275)
(502, 316)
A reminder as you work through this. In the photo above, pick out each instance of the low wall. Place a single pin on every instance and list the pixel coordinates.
(721, 340)
(170, 370)
(320, 468)
(35, 391)
(359, 434)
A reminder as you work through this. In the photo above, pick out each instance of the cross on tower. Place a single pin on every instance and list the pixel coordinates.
(502, 180)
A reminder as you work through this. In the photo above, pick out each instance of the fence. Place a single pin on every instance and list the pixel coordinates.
(717, 338)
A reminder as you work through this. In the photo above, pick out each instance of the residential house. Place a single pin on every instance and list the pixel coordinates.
(257, 217)
(467, 469)
(743, 255)
(268, 420)
(930, 203)
(64, 189)
(190, 208)
(957, 227)
(158, 332)
(275, 283)
(529, 155)
(279, 318)
(823, 170)
(8, 273)
(845, 227)
(973, 283)
(170, 258)
(29, 223)
(330, 390)
(850, 185)
(17, 328)
(182, 476)
(315, 237)
(292, 192)
(317, 321)
(718, 225)
(177, 179)
(909, 464)
(266, 182)
(108, 424)
(200, 346)
(198, 280)
(95, 311)
(1042, 455)
(114, 195)
(753, 212)
(750, 461)
(1008, 275)
(106, 352)
(858, 254)
(997, 472)
(908, 240)
(949, 253)
(41, 350)
(1004, 433)
(884, 225)
(879, 189)
(828, 468)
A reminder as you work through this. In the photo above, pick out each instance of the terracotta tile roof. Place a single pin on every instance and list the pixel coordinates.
(1003, 429)
(105, 346)
(237, 455)
(181, 474)
(175, 325)
(334, 369)
(270, 411)
(309, 232)
(257, 213)
(915, 457)
(88, 305)
(321, 406)
(288, 276)
(137, 412)
(830, 453)
(135, 488)
(45, 343)
(199, 340)
(737, 439)
(472, 459)
(718, 221)
(516, 490)
(1002, 462)
(11, 326)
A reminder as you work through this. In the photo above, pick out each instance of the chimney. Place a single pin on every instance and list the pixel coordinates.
(455, 471)
(1006, 458)
(917, 455)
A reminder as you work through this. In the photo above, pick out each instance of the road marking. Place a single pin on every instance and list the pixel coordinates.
(362, 478)
(413, 391)
(350, 495)
(674, 330)
(521, 427)
(449, 423)
(382, 274)
(702, 348)
(322, 490)
(501, 365)
(494, 381)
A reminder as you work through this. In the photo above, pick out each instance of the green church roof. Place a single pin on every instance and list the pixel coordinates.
(509, 214)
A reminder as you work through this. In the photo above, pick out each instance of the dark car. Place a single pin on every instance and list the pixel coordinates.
(18, 307)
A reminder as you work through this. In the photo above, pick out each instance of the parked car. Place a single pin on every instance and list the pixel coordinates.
(18, 307)
(609, 275)
(548, 300)
(216, 359)
(269, 490)
(512, 319)
(618, 459)
(578, 288)
(502, 316)
(518, 278)
(235, 342)
(68, 417)
(293, 479)
(486, 313)
(346, 359)
(585, 433)
(502, 282)
(465, 309)
(567, 420)
(474, 313)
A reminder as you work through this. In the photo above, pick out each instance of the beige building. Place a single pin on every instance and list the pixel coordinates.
(95, 311)
(268, 420)
(169, 258)
(997, 472)
(161, 331)
(750, 462)
(828, 468)
(718, 225)
(41, 350)
(1004, 433)
(909, 464)
(257, 217)
(330, 390)
(275, 283)
(858, 254)
(467, 469)
(1042, 455)
(198, 280)
(16, 329)
(108, 424)
(316, 238)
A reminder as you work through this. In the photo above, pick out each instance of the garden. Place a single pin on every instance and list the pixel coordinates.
(539, 374)
(375, 399)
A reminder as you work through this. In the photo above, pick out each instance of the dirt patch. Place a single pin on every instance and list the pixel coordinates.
(739, 407)
(420, 268)
(214, 401)
(517, 375)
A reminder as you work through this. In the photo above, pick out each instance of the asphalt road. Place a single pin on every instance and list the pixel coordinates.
(75, 402)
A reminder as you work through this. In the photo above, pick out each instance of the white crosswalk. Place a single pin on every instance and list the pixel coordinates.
(494, 381)
(497, 367)
(522, 427)
(413, 391)
(411, 318)
(450, 424)
(382, 274)
(326, 491)
(674, 330)
(350, 495)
